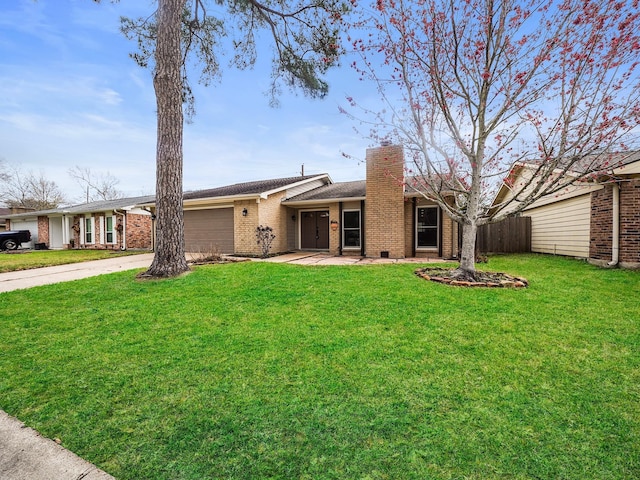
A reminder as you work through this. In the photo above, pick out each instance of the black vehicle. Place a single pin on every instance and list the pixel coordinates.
(12, 239)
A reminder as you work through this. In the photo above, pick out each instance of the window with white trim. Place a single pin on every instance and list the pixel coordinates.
(351, 229)
(427, 227)
(89, 227)
(110, 229)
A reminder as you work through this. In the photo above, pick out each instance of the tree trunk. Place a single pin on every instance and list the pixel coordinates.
(468, 252)
(169, 259)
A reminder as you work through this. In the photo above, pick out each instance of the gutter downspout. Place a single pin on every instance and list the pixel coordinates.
(153, 228)
(124, 229)
(341, 228)
(615, 247)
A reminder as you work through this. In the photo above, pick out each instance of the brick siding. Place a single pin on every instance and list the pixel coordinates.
(601, 237)
(137, 228)
(384, 207)
(334, 235)
(244, 231)
(43, 230)
(601, 224)
(630, 222)
(138, 231)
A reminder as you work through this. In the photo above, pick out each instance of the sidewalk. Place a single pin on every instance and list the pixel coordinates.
(26, 455)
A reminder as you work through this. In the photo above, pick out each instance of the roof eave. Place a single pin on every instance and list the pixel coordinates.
(223, 199)
(300, 203)
(296, 184)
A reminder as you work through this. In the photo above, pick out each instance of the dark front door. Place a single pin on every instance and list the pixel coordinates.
(315, 230)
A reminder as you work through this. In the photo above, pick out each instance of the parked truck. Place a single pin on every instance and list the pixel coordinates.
(12, 239)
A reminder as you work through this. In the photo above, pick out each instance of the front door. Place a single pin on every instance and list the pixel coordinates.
(315, 230)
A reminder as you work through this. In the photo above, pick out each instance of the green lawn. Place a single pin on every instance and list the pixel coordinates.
(24, 260)
(258, 370)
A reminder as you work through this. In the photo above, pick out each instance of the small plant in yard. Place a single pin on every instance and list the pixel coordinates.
(265, 238)
(211, 254)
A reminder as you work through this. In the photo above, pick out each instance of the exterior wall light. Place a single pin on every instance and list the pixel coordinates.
(244, 212)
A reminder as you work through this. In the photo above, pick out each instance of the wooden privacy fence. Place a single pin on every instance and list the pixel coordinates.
(511, 235)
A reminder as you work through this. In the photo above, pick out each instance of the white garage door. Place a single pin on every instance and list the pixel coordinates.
(209, 230)
(26, 224)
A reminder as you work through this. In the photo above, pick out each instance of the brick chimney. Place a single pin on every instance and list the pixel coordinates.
(384, 204)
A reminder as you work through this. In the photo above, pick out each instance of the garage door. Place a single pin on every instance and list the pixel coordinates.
(26, 224)
(209, 230)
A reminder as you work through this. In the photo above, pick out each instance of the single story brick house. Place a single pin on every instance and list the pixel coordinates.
(598, 220)
(111, 224)
(375, 217)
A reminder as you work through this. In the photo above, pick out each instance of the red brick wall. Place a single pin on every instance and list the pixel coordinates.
(601, 227)
(630, 222)
(43, 230)
(601, 240)
(138, 231)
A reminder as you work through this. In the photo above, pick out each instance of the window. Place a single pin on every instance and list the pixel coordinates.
(351, 229)
(88, 230)
(109, 230)
(427, 227)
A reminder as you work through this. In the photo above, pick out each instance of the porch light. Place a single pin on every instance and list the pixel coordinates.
(334, 225)
(244, 212)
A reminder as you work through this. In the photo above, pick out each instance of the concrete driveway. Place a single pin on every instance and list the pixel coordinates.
(74, 271)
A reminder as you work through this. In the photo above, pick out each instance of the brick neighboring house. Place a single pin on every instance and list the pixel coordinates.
(597, 220)
(3, 218)
(111, 224)
(374, 217)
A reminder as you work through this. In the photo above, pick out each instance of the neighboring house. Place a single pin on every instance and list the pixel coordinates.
(3, 218)
(373, 217)
(598, 220)
(110, 224)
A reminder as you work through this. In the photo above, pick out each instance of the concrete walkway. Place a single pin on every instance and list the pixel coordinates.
(322, 258)
(24, 453)
(74, 271)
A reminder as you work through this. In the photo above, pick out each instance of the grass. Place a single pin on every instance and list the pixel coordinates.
(25, 260)
(257, 370)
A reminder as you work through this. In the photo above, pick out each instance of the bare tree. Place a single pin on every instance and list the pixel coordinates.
(472, 87)
(96, 186)
(305, 39)
(30, 191)
(4, 172)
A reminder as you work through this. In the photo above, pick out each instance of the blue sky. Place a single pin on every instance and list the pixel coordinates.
(70, 95)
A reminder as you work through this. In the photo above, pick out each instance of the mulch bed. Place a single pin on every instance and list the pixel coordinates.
(216, 260)
(448, 276)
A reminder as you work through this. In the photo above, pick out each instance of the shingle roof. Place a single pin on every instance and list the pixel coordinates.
(356, 189)
(595, 162)
(247, 188)
(91, 207)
